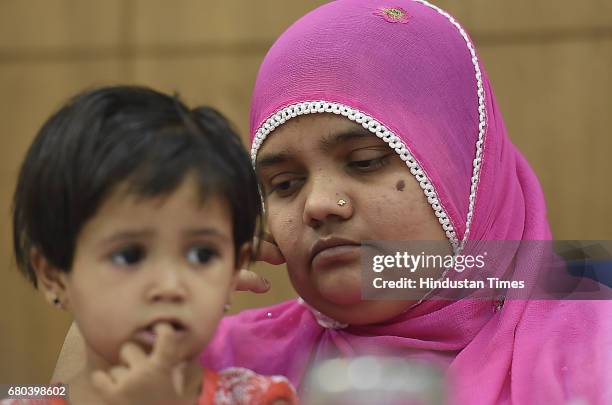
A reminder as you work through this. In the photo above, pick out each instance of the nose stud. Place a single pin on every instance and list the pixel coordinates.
(341, 203)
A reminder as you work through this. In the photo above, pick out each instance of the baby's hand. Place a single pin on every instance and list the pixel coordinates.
(160, 378)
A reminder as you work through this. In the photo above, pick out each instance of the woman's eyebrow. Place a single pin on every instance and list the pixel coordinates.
(326, 143)
(272, 159)
(336, 138)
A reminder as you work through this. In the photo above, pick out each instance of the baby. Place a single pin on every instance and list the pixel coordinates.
(134, 213)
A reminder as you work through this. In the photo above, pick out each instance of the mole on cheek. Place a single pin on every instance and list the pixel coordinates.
(400, 185)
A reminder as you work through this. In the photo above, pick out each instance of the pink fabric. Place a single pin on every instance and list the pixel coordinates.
(417, 78)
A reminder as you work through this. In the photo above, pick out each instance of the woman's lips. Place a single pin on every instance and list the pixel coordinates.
(340, 254)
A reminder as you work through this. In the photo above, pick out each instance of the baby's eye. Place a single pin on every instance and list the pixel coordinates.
(201, 255)
(128, 256)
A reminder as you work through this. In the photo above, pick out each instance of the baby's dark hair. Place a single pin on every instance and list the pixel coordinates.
(124, 134)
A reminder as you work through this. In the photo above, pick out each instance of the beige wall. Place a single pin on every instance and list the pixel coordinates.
(549, 62)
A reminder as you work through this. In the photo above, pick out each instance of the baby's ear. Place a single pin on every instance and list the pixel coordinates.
(51, 281)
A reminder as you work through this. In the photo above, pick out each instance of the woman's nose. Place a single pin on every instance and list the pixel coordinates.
(326, 201)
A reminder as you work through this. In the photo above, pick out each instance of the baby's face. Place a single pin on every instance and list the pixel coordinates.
(140, 261)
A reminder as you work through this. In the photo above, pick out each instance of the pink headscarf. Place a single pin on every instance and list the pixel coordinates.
(407, 71)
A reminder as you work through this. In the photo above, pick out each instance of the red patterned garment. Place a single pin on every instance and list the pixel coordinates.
(46, 401)
(241, 386)
(231, 386)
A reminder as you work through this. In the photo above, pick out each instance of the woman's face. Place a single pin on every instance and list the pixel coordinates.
(306, 166)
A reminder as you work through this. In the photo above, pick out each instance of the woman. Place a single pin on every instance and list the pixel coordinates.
(440, 167)
(376, 121)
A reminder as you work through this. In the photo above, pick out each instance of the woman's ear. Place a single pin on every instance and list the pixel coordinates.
(268, 237)
(51, 281)
(244, 256)
(269, 251)
(268, 248)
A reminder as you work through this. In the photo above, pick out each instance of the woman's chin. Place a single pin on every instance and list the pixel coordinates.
(341, 296)
(337, 294)
(357, 311)
(340, 289)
